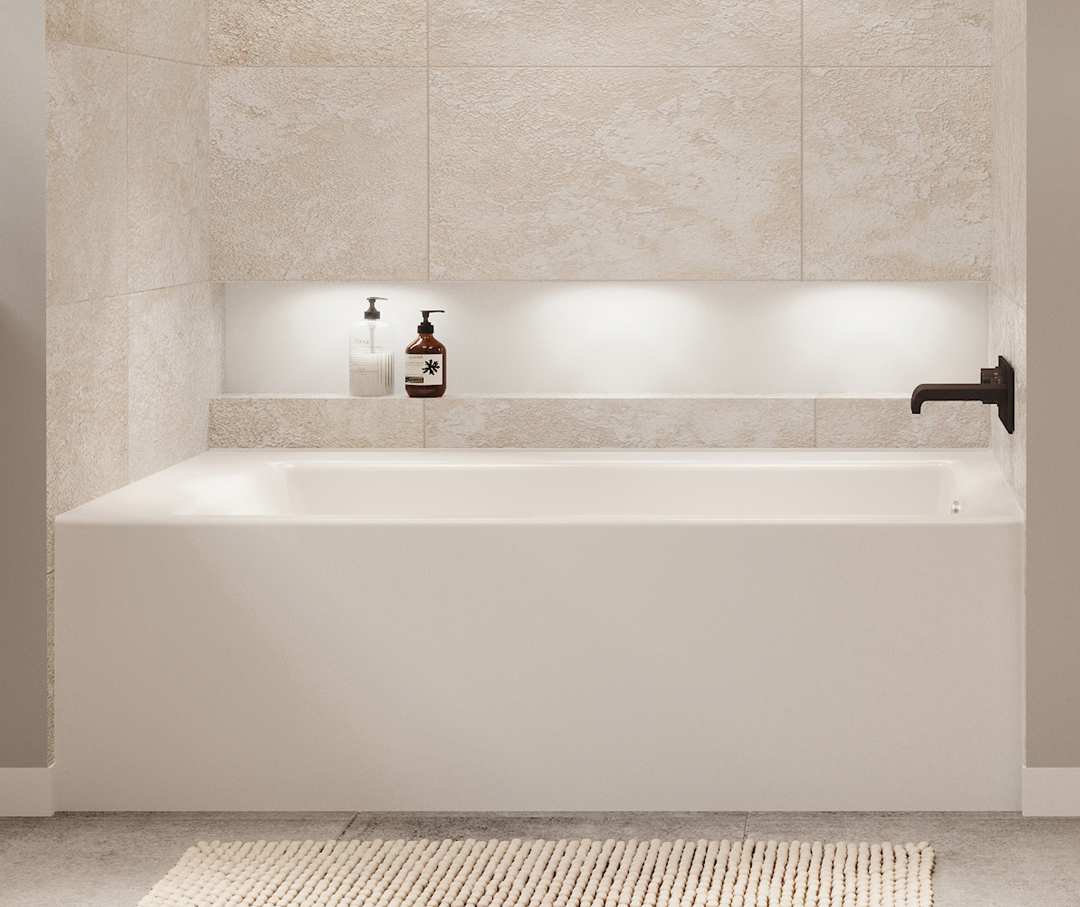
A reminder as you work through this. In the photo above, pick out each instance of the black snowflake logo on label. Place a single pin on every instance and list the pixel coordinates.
(431, 367)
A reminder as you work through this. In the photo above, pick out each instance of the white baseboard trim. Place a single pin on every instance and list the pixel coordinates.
(26, 791)
(1051, 791)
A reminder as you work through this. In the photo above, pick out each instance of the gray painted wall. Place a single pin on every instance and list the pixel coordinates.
(23, 608)
(1053, 584)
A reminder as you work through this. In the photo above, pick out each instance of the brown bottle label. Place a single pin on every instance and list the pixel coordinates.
(424, 368)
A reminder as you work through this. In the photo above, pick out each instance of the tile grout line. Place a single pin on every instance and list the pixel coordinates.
(108, 297)
(601, 280)
(348, 825)
(125, 51)
(252, 66)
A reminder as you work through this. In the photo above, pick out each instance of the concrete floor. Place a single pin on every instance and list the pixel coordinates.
(113, 859)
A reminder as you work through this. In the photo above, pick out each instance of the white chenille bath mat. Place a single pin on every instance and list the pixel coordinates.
(548, 874)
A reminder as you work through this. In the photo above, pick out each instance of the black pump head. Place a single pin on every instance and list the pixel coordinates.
(425, 326)
(372, 313)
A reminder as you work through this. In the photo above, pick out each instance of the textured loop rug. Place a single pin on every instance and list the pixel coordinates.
(541, 873)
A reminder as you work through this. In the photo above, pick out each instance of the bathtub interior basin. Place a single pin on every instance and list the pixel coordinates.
(523, 485)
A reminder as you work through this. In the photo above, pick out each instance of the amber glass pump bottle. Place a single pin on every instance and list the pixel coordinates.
(425, 362)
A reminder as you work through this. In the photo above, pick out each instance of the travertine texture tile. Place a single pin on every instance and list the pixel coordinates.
(86, 191)
(316, 422)
(614, 33)
(619, 422)
(1009, 155)
(172, 29)
(889, 422)
(587, 422)
(1010, 26)
(560, 174)
(175, 365)
(897, 32)
(98, 23)
(86, 403)
(897, 174)
(1008, 290)
(318, 33)
(168, 181)
(1008, 338)
(318, 174)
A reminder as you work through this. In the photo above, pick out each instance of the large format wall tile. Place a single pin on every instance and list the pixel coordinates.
(889, 422)
(590, 422)
(619, 422)
(86, 403)
(1010, 26)
(86, 193)
(614, 33)
(896, 32)
(171, 29)
(1009, 267)
(237, 421)
(1008, 290)
(175, 365)
(98, 23)
(562, 174)
(318, 32)
(318, 174)
(897, 174)
(167, 173)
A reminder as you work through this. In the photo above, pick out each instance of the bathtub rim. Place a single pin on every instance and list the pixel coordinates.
(113, 508)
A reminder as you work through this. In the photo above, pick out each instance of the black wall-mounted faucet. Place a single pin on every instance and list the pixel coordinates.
(997, 385)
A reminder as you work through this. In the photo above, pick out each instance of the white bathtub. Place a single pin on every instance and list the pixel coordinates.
(534, 630)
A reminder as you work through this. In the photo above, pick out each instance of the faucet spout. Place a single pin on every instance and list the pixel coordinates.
(997, 386)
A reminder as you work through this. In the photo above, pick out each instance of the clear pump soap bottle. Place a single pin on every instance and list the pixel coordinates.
(371, 355)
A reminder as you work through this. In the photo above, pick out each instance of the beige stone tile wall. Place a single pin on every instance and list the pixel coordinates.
(619, 422)
(844, 421)
(86, 402)
(582, 173)
(1008, 273)
(896, 173)
(95, 23)
(175, 365)
(240, 421)
(744, 139)
(86, 187)
(318, 173)
(133, 327)
(614, 33)
(168, 137)
(318, 33)
(590, 422)
(897, 32)
(169, 29)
